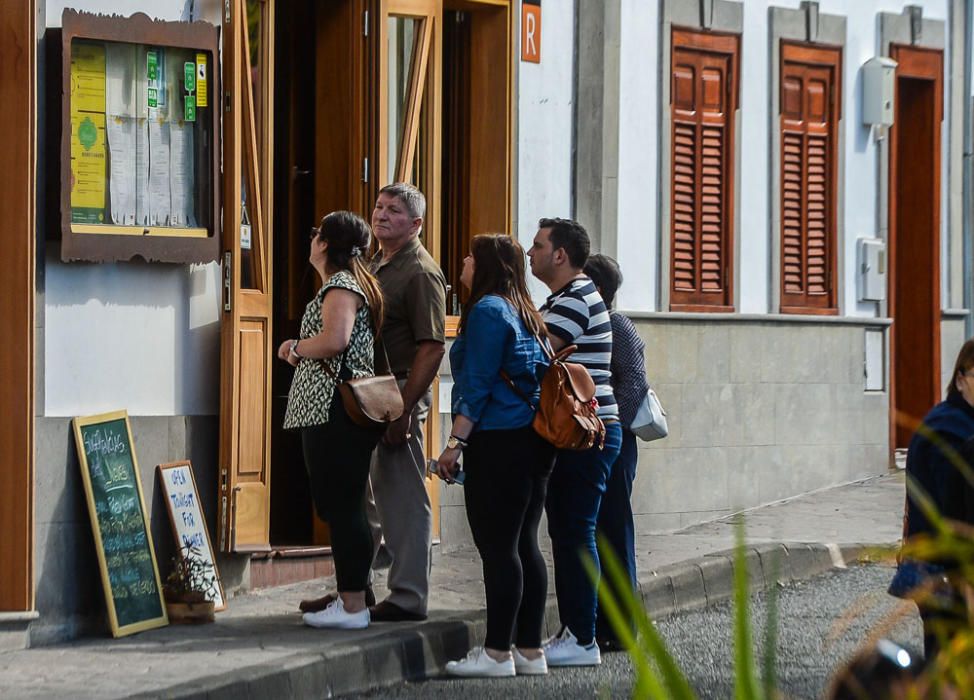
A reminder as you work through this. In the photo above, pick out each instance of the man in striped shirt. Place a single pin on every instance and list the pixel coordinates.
(576, 315)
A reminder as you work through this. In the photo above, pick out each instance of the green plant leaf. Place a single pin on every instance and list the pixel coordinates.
(745, 676)
(651, 646)
(769, 674)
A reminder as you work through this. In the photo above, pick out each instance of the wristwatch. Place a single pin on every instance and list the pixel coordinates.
(455, 443)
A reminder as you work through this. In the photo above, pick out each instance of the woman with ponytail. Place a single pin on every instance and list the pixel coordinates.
(338, 333)
(507, 464)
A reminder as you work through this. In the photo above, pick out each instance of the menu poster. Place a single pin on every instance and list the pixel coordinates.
(89, 153)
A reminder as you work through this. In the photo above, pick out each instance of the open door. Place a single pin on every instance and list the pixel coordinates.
(246, 341)
(914, 238)
(409, 139)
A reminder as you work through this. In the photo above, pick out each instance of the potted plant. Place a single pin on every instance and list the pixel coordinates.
(190, 588)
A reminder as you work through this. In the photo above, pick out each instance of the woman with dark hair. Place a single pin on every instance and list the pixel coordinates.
(507, 464)
(338, 332)
(629, 386)
(941, 441)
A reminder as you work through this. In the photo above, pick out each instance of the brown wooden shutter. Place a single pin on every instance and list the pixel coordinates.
(809, 118)
(703, 98)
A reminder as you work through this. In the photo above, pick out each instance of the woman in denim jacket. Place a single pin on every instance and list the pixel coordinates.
(507, 464)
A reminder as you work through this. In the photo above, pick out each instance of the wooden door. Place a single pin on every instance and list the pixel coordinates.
(914, 238)
(409, 126)
(246, 342)
(703, 99)
(17, 236)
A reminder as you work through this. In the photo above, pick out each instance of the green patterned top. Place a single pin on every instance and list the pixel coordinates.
(312, 387)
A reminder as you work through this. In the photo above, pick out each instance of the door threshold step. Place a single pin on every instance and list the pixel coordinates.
(284, 565)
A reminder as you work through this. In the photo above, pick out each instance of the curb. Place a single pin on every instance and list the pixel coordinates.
(421, 651)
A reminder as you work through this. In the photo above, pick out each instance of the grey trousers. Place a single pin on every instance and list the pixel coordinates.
(399, 513)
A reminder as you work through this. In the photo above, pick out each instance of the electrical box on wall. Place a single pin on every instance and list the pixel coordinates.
(878, 85)
(871, 256)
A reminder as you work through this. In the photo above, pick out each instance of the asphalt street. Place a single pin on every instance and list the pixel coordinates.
(822, 623)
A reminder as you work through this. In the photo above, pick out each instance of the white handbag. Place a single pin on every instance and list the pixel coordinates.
(650, 421)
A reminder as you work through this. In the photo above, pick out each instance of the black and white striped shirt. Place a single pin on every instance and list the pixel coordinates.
(577, 315)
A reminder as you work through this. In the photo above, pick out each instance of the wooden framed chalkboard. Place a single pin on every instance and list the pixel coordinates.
(123, 541)
(186, 516)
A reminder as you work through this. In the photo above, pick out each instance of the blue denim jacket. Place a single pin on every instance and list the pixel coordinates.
(495, 338)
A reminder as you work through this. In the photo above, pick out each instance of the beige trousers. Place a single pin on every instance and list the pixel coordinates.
(401, 515)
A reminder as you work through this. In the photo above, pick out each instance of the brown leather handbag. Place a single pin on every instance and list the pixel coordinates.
(567, 413)
(371, 402)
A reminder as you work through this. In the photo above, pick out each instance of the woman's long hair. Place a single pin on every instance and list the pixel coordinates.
(964, 363)
(499, 269)
(349, 237)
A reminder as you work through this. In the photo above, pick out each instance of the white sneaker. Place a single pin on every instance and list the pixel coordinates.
(529, 667)
(336, 617)
(564, 650)
(478, 664)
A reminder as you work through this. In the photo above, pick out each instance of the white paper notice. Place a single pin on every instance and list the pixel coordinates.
(181, 178)
(142, 172)
(160, 205)
(120, 129)
(120, 79)
(121, 184)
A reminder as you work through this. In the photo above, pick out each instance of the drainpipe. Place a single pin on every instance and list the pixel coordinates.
(968, 248)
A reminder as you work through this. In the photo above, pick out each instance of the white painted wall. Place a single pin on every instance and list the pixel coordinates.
(544, 139)
(144, 337)
(639, 235)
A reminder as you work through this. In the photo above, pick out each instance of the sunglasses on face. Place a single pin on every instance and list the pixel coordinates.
(314, 233)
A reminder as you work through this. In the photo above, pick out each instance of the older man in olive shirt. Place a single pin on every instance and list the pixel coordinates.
(413, 334)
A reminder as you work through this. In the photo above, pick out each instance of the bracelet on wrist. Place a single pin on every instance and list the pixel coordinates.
(294, 348)
(456, 443)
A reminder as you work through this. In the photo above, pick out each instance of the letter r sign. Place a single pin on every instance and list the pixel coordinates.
(531, 31)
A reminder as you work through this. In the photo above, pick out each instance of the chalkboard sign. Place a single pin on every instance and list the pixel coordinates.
(123, 542)
(186, 516)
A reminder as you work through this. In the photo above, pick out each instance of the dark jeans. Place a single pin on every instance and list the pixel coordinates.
(507, 476)
(615, 523)
(337, 456)
(574, 497)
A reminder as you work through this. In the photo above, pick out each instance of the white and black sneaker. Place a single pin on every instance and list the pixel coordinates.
(478, 664)
(336, 617)
(564, 650)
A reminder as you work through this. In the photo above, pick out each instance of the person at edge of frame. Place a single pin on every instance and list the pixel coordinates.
(944, 437)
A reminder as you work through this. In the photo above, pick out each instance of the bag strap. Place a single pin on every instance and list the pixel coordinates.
(510, 382)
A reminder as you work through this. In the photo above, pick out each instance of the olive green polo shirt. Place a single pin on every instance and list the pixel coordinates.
(414, 292)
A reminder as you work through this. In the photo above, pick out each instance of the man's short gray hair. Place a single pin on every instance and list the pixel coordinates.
(411, 198)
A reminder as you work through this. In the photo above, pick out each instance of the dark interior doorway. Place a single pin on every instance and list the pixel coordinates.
(294, 173)
(915, 239)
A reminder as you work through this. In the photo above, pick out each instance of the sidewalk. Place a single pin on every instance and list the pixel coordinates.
(258, 648)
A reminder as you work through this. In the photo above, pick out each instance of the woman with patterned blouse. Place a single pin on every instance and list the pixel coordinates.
(338, 332)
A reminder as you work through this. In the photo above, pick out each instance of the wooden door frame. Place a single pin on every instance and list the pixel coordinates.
(921, 64)
(17, 202)
(245, 498)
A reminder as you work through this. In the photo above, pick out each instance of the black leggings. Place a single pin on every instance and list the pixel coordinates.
(337, 456)
(507, 477)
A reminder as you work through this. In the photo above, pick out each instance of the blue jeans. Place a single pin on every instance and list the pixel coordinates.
(615, 521)
(574, 495)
